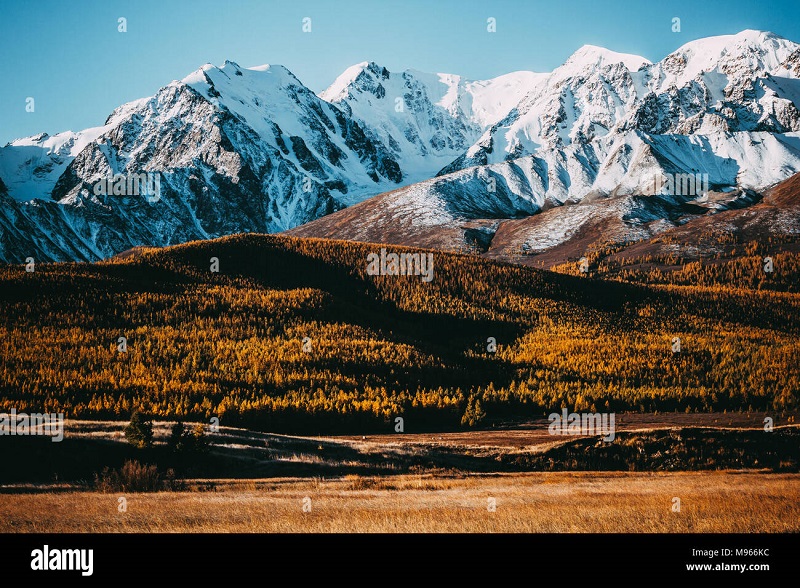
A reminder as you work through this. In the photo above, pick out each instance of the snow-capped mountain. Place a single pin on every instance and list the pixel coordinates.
(234, 149)
(255, 150)
(33, 165)
(256, 139)
(426, 120)
(743, 82)
(443, 211)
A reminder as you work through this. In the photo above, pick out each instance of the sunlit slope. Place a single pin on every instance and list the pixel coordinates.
(231, 343)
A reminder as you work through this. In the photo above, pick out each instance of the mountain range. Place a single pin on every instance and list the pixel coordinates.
(514, 167)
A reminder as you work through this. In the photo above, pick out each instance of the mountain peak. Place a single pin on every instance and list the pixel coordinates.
(748, 51)
(756, 35)
(745, 38)
(228, 69)
(239, 145)
(338, 90)
(592, 55)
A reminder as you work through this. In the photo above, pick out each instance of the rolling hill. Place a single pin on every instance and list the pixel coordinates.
(294, 335)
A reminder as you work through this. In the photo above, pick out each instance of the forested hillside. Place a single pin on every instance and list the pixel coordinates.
(293, 335)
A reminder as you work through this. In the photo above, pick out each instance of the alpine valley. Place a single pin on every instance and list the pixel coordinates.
(527, 167)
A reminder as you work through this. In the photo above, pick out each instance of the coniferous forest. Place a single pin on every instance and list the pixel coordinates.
(293, 335)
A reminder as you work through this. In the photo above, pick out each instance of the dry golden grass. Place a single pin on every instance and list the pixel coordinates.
(541, 502)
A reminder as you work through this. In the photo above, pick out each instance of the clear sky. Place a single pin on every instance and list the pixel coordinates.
(70, 57)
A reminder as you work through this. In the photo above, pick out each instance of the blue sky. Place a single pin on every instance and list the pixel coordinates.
(69, 56)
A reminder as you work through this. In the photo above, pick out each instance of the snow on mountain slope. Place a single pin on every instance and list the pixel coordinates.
(426, 120)
(613, 177)
(560, 234)
(581, 100)
(774, 222)
(32, 165)
(729, 83)
(743, 82)
(254, 150)
(593, 57)
(738, 57)
(314, 135)
(234, 150)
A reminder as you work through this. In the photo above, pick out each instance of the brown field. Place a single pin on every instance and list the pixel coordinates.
(534, 432)
(558, 502)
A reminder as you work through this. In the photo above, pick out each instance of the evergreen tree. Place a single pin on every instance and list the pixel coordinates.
(139, 432)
